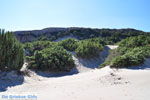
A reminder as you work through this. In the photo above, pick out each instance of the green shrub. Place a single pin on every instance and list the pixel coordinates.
(11, 52)
(31, 47)
(132, 51)
(97, 40)
(69, 44)
(53, 59)
(88, 49)
(133, 42)
(132, 58)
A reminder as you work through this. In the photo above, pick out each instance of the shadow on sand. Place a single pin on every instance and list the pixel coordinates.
(94, 62)
(146, 66)
(9, 79)
(60, 74)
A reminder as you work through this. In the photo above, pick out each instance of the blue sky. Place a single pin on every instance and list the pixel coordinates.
(38, 14)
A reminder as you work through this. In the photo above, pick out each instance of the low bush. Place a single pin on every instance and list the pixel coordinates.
(132, 51)
(133, 42)
(31, 47)
(52, 59)
(69, 44)
(88, 49)
(97, 40)
(132, 58)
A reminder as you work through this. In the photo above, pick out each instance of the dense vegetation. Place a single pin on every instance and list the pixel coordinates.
(48, 56)
(37, 46)
(133, 42)
(88, 49)
(55, 58)
(131, 52)
(85, 48)
(11, 52)
(111, 36)
(135, 57)
(69, 44)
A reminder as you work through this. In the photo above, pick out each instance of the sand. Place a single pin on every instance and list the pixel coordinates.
(98, 84)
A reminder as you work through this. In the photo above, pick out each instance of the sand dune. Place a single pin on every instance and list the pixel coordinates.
(94, 84)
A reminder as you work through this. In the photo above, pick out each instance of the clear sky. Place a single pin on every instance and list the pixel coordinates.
(38, 14)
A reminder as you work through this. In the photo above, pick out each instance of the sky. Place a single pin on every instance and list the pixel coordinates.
(39, 14)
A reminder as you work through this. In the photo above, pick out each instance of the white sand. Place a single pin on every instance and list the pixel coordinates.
(98, 84)
(65, 37)
(112, 46)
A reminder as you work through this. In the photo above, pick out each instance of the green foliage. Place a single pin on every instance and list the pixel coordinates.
(88, 49)
(69, 44)
(48, 56)
(132, 42)
(31, 47)
(136, 41)
(97, 40)
(110, 36)
(53, 56)
(53, 59)
(135, 57)
(132, 51)
(11, 52)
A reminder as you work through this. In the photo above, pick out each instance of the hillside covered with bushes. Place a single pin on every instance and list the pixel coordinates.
(57, 56)
(109, 35)
(44, 54)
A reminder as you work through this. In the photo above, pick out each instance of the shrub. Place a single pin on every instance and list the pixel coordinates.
(53, 59)
(11, 52)
(87, 49)
(133, 42)
(69, 44)
(132, 51)
(97, 40)
(135, 57)
(31, 47)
